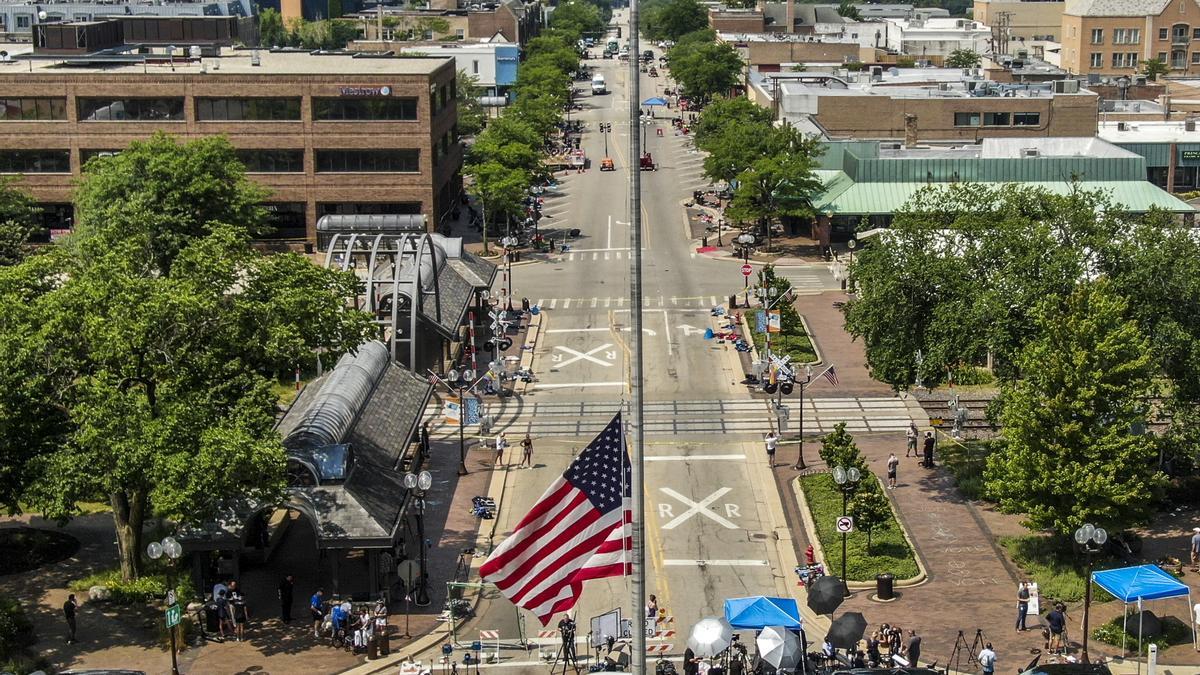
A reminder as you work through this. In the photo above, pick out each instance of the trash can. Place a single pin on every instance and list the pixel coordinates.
(372, 648)
(381, 635)
(883, 585)
(733, 302)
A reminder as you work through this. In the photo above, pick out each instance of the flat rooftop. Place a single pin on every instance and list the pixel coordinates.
(1011, 148)
(231, 61)
(785, 38)
(1147, 132)
(927, 89)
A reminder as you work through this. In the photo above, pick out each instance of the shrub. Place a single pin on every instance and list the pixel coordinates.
(142, 590)
(1174, 632)
(889, 549)
(972, 375)
(966, 462)
(1051, 562)
(16, 630)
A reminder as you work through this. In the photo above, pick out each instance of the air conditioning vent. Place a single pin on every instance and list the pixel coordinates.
(1030, 152)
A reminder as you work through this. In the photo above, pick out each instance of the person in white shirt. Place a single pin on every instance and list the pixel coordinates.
(501, 444)
(772, 442)
(987, 660)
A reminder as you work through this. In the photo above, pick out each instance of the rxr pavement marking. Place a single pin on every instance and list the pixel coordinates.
(664, 510)
(578, 356)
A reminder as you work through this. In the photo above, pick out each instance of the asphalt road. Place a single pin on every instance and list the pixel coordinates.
(710, 528)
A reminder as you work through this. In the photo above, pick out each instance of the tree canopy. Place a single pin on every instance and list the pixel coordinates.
(579, 17)
(963, 58)
(706, 68)
(142, 357)
(471, 115)
(671, 19)
(18, 221)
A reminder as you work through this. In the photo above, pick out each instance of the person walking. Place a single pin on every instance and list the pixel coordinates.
(772, 442)
(69, 609)
(239, 611)
(911, 438)
(652, 607)
(316, 607)
(1022, 605)
(893, 463)
(927, 462)
(501, 444)
(527, 451)
(1057, 621)
(987, 659)
(286, 589)
(1195, 548)
(913, 652)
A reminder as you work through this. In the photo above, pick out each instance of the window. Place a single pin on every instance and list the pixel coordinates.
(966, 119)
(35, 161)
(40, 109)
(1027, 119)
(1195, 58)
(1124, 59)
(1097, 60)
(475, 67)
(996, 119)
(1163, 33)
(256, 109)
(1097, 36)
(1180, 33)
(285, 220)
(460, 33)
(272, 161)
(130, 110)
(24, 20)
(367, 208)
(89, 154)
(1127, 36)
(1196, 33)
(367, 109)
(1162, 56)
(368, 161)
(1179, 59)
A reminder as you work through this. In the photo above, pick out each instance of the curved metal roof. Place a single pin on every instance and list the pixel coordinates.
(386, 223)
(340, 399)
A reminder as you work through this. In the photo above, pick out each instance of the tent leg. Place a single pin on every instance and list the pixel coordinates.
(1124, 630)
(1139, 653)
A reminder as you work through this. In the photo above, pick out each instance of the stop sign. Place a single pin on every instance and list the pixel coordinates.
(747, 270)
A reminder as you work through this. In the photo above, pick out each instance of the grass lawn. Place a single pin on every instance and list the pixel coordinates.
(889, 550)
(965, 460)
(797, 346)
(1174, 632)
(1052, 563)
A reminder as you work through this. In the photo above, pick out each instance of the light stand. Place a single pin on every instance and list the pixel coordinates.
(808, 376)
(459, 383)
(420, 483)
(171, 548)
(847, 480)
(745, 239)
(1091, 538)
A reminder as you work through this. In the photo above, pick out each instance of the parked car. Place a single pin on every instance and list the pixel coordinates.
(1068, 669)
(606, 164)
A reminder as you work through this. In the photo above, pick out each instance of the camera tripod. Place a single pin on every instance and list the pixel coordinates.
(954, 663)
(566, 653)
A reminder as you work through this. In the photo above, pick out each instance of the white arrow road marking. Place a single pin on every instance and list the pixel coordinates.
(688, 330)
(697, 507)
(647, 331)
(581, 356)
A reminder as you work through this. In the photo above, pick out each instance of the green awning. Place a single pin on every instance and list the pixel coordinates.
(842, 196)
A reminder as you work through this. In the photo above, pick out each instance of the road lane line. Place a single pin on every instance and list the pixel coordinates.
(568, 385)
(577, 330)
(676, 562)
(610, 231)
(690, 458)
(667, 325)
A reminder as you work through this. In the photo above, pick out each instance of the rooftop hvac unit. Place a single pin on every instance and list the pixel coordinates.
(1030, 152)
(891, 146)
(943, 86)
(1022, 53)
(1122, 126)
(1189, 125)
(1140, 80)
(1066, 86)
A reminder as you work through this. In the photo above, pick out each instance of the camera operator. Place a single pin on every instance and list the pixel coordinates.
(566, 630)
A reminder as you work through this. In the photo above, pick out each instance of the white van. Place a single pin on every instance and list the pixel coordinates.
(598, 86)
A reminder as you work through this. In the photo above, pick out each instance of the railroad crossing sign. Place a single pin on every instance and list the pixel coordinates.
(845, 524)
(747, 270)
(174, 614)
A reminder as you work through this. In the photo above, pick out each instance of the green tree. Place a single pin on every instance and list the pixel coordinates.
(775, 186)
(963, 58)
(501, 189)
(733, 132)
(671, 19)
(848, 11)
(1074, 452)
(18, 221)
(839, 449)
(871, 512)
(270, 29)
(179, 193)
(724, 114)
(1152, 68)
(706, 69)
(471, 115)
(576, 16)
(155, 349)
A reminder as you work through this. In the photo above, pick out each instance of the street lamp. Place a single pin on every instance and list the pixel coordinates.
(171, 548)
(509, 243)
(459, 383)
(605, 130)
(847, 480)
(419, 483)
(1091, 538)
(745, 239)
(808, 376)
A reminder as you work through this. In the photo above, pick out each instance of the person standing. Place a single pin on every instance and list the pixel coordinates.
(69, 609)
(1057, 620)
(911, 438)
(1195, 548)
(652, 607)
(501, 444)
(527, 451)
(913, 653)
(892, 464)
(316, 607)
(987, 660)
(929, 441)
(239, 611)
(772, 442)
(286, 589)
(1022, 605)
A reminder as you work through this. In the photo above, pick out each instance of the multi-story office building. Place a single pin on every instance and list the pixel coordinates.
(326, 134)
(18, 17)
(1114, 37)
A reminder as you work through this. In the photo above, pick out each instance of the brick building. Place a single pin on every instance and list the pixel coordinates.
(326, 134)
(1023, 20)
(1113, 37)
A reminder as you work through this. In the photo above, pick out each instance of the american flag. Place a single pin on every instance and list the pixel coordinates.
(831, 375)
(580, 529)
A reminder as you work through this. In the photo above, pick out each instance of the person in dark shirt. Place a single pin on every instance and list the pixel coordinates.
(690, 663)
(286, 589)
(1057, 620)
(69, 608)
(1022, 605)
(914, 647)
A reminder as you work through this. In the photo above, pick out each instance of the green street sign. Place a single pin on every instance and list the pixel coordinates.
(174, 614)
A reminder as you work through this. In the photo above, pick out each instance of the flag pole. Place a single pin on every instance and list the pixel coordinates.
(637, 494)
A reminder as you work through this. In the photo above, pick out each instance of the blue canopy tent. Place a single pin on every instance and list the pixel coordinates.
(1144, 582)
(759, 611)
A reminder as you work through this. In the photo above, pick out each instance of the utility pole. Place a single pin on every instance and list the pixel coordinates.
(635, 313)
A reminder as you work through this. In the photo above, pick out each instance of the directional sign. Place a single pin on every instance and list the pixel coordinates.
(174, 614)
(845, 524)
(747, 270)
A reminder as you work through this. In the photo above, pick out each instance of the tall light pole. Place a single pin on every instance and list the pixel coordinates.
(746, 239)
(1091, 538)
(459, 383)
(808, 375)
(419, 483)
(171, 548)
(847, 480)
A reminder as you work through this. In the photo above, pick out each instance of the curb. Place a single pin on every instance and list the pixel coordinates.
(532, 333)
(732, 258)
(812, 340)
(819, 550)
